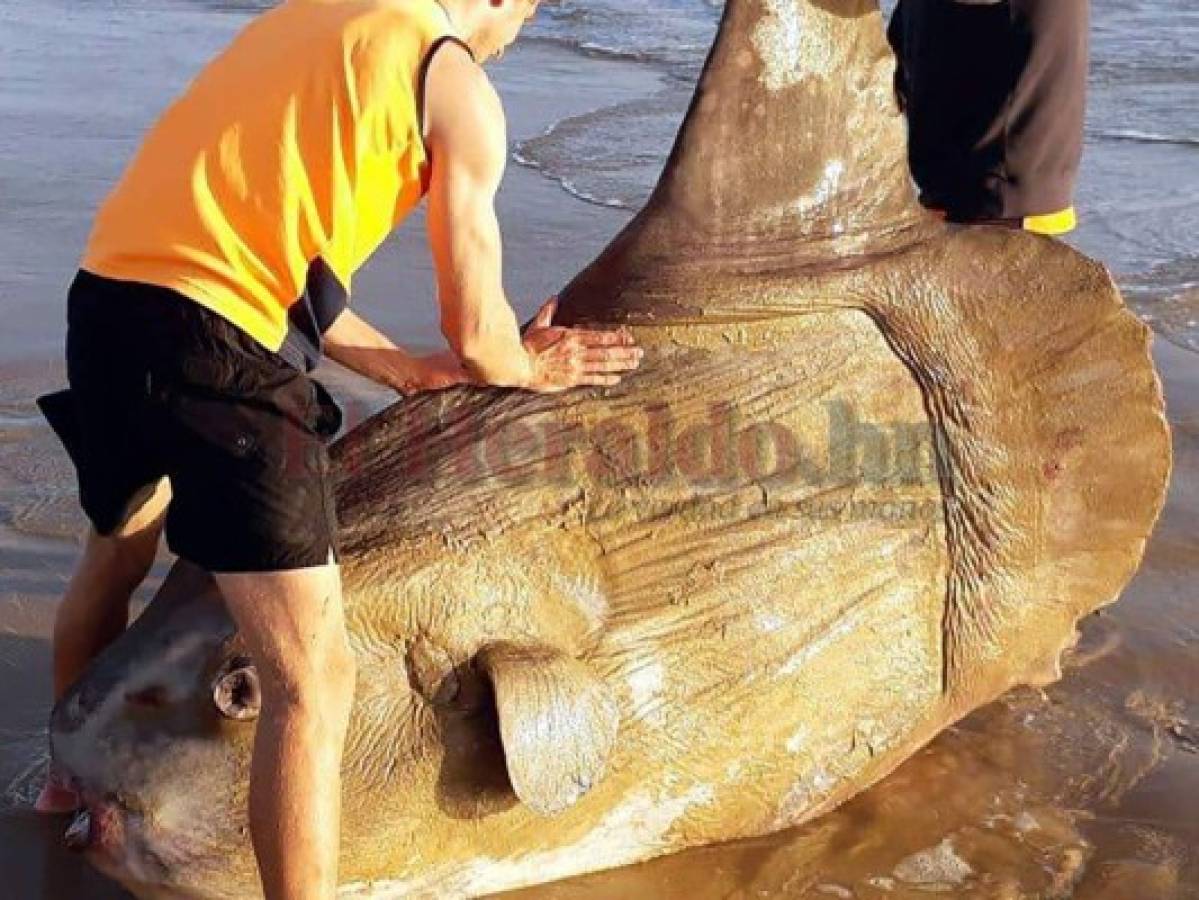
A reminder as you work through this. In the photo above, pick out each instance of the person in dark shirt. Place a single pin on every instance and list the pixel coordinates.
(995, 94)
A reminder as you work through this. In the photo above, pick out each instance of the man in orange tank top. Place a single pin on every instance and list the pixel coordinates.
(217, 273)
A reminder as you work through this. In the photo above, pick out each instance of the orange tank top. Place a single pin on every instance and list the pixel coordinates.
(281, 169)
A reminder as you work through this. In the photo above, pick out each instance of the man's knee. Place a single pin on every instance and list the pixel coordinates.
(293, 626)
(119, 564)
(340, 673)
(321, 671)
(129, 551)
(318, 684)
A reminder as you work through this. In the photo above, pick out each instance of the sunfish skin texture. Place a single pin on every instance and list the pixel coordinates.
(872, 473)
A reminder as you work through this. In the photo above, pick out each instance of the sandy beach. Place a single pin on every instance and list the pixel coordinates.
(1087, 790)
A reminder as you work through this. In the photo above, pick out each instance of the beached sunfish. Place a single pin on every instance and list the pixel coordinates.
(872, 473)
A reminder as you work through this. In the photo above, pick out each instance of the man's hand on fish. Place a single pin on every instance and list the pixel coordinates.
(565, 358)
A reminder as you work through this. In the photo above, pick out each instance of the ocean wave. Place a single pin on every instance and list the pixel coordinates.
(593, 50)
(671, 34)
(611, 156)
(521, 156)
(1148, 72)
(1144, 137)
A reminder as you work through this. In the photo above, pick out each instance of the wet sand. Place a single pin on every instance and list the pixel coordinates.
(1089, 789)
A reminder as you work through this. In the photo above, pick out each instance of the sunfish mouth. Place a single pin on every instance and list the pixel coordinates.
(111, 836)
(79, 834)
(97, 828)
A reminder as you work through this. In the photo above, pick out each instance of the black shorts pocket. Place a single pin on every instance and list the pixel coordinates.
(227, 427)
(251, 487)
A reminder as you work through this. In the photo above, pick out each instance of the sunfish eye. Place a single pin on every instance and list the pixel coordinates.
(149, 698)
(236, 691)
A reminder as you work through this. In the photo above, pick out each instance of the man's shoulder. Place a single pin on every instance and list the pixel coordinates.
(455, 64)
(459, 94)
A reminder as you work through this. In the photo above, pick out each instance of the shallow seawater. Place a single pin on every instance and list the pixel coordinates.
(1089, 789)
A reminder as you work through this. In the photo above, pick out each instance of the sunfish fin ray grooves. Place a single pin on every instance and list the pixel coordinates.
(791, 159)
(788, 192)
(558, 722)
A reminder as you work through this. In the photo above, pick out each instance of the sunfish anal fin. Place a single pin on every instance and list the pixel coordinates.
(558, 722)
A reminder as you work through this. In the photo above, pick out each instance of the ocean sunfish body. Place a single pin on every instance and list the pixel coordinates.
(872, 473)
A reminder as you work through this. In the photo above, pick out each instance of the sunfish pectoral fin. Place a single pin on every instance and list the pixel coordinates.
(558, 722)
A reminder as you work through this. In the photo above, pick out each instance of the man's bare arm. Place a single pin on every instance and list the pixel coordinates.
(467, 137)
(468, 142)
(359, 346)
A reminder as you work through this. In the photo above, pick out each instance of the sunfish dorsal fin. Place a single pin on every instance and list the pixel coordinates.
(558, 722)
(792, 156)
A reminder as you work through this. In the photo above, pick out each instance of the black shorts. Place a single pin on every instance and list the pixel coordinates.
(162, 387)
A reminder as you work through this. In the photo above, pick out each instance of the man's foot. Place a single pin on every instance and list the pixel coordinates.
(57, 797)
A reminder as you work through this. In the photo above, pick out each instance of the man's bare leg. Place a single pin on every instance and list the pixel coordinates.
(294, 628)
(95, 610)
